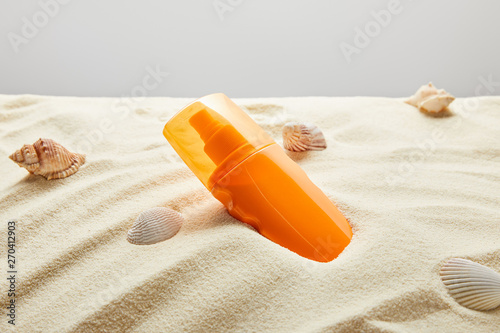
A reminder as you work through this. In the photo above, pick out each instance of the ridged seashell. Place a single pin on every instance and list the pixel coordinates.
(49, 159)
(430, 99)
(155, 225)
(302, 137)
(471, 284)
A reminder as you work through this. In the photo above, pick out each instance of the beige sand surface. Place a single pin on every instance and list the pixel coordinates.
(416, 189)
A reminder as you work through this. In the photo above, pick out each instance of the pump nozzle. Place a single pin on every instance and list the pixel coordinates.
(212, 135)
(220, 139)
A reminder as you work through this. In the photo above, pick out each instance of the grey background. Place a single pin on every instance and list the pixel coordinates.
(257, 48)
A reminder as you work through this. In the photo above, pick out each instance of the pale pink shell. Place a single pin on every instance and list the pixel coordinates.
(471, 284)
(155, 225)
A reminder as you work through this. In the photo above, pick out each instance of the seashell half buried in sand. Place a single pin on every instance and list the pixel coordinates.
(430, 99)
(155, 225)
(49, 159)
(302, 137)
(471, 284)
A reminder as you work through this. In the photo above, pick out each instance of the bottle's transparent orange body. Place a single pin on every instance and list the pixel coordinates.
(253, 177)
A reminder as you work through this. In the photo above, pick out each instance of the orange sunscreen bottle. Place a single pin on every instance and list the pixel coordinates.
(242, 166)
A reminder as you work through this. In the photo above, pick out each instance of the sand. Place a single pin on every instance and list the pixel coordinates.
(417, 190)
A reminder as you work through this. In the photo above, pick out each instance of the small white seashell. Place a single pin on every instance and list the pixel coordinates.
(302, 137)
(430, 99)
(471, 284)
(155, 225)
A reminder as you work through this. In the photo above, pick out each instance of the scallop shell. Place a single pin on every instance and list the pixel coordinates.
(302, 137)
(49, 159)
(430, 99)
(155, 225)
(471, 284)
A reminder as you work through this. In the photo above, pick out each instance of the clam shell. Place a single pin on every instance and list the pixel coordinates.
(302, 137)
(49, 159)
(471, 284)
(155, 225)
(430, 99)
